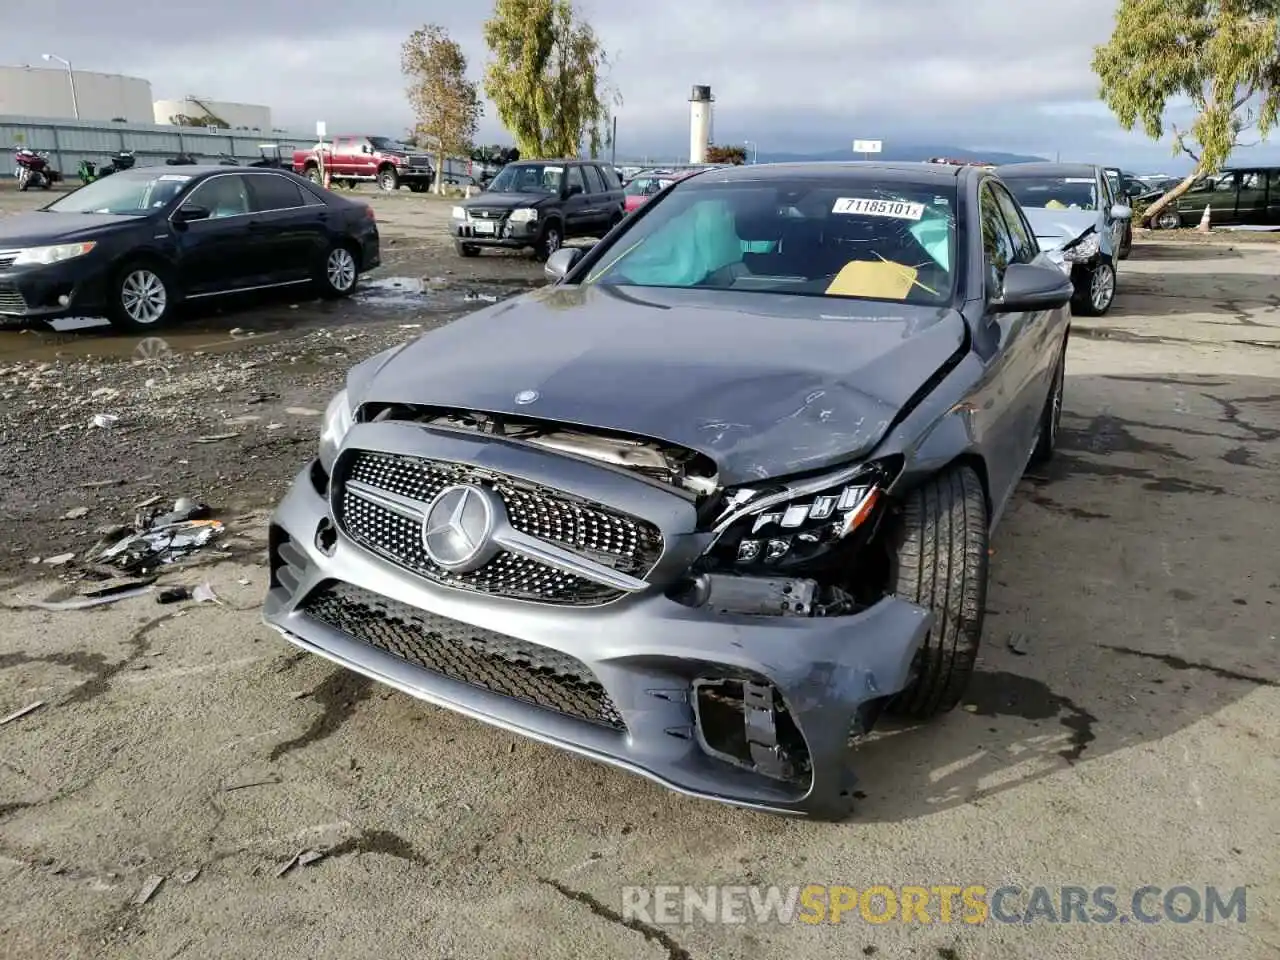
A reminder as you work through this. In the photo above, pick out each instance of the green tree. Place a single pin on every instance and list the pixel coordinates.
(548, 78)
(1222, 55)
(731, 154)
(446, 105)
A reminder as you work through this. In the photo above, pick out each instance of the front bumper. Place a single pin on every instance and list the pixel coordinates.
(645, 656)
(505, 233)
(37, 292)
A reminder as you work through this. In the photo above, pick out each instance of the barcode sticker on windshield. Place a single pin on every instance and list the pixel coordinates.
(897, 209)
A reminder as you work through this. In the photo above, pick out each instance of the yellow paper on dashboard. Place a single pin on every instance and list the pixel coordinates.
(885, 280)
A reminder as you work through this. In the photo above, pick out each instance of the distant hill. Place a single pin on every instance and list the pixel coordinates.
(904, 152)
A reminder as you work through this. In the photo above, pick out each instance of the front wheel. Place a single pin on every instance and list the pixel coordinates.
(338, 278)
(313, 174)
(143, 297)
(940, 559)
(550, 241)
(1095, 289)
(1169, 220)
(389, 180)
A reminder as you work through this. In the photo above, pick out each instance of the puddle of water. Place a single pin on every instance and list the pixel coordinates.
(394, 291)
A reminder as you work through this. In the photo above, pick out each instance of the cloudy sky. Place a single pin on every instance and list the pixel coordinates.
(980, 74)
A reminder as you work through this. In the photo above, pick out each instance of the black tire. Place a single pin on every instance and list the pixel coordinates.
(388, 180)
(417, 186)
(940, 562)
(1089, 281)
(1051, 415)
(338, 272)
(313, 174)
(137, 304)
(466, 249)
(1169, 219)
(1126, 242)
(351, 184)
(552, 239)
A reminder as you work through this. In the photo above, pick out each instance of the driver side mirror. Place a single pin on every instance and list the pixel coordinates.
(1028, 286)
(1121, 212)
(561, 262)
(191, 212)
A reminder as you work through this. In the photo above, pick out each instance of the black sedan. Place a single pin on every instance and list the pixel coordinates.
(135, 245)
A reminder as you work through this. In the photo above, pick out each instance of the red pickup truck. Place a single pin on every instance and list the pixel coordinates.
(355, 158)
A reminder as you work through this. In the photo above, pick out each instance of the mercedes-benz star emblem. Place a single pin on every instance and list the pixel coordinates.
(458, 528)
(527, 396)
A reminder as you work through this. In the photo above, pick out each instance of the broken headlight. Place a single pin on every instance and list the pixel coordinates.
(338, 419)
(1086, 248)
(797, 523)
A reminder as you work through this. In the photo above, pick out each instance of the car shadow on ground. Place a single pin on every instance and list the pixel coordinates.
(1124, 601)
(1172, 250)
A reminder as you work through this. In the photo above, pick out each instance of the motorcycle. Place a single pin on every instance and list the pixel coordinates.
(124, 160)
(33, 169)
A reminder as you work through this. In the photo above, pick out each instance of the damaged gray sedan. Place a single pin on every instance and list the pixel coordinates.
(711, 502)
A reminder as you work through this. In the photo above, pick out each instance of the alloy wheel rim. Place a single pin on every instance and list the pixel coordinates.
(341, 269)
(143, 296)
(1168, 220)
(1102, 286)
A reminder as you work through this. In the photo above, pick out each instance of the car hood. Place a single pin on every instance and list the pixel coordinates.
(507, 201)
(1057, 228)
(37, 229)
(812, 383)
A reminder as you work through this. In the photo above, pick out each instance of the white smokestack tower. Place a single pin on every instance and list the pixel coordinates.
(699, 123)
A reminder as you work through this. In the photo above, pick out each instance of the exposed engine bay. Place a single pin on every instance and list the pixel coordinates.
(678, 467)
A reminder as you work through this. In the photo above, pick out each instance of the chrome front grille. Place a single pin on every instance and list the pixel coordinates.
(609, 541)
(7, 257)
(484, 213)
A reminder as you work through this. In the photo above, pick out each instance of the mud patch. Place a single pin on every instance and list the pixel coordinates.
(338, 696)
(994, 694)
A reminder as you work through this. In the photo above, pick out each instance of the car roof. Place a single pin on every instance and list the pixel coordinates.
(893, 171)
(1046, 169)
(194, 170)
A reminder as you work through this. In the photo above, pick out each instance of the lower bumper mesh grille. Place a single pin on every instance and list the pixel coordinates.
(482, 658)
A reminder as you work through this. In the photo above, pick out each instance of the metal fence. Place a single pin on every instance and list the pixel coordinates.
(70, 141)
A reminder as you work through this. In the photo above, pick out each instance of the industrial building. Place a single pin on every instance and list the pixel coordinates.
(218, 113)
(701, 118)
(65, 93)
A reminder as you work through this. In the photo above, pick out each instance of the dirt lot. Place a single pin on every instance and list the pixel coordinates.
(1122, 731)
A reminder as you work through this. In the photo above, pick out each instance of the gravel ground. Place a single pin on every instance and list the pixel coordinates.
(1122, 729)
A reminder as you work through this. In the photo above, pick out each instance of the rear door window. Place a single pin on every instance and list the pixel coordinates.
(594, 183)
(575, 179)
(611, 181)
(271, 192)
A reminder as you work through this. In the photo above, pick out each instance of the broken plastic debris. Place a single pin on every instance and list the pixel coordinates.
(75, 513)
(1018, 643)
(60, 559)
(104, 420)
(204, 594)
(472, 297)
(303, 412)
(189, 876)
(148, 889)
(299, 859)
(84, 603)
(161, 544)
(19, 714)
(216, 437)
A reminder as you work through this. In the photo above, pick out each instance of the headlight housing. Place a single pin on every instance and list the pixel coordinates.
(1084, 249)
(524, 215)
(459, 213)
(338, 419)
(55, 254)
(799, 522)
